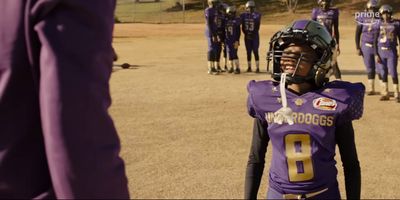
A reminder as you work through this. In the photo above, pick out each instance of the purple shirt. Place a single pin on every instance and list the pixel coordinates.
(232, 30)
(57, 139)
(211, 15)
(221, 25)
(250, 22)
(303, 153)
(388, 33)
(368, 28)
(327, 18)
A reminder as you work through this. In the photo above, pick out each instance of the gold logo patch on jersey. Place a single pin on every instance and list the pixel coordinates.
(299, 102)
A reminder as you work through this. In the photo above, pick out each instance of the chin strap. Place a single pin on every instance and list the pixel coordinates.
(284, 114)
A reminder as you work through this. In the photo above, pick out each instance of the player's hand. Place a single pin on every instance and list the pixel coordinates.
(378, 59)
(338, 50)
(249, 36)
(359, 52)
(236, 45)
(214, 38)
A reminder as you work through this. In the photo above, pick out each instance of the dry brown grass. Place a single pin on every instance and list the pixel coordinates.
(186, 134)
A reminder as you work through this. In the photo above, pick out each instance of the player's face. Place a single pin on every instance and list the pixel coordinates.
(386, 16)
(213, 4)
(250, 9)
(298, 59)
(325, 5)
(372, 9)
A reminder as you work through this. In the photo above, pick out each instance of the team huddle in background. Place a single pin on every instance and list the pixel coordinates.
(223, 29)
(376, 40)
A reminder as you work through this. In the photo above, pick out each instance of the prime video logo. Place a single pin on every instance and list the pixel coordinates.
(359, 16)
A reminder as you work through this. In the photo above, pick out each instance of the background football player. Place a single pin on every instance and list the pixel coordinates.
(221, 36)
(211, 14)
(250, 26)
(304, 117)
(329, 17)
(366, 31)
(232, 37)
(386, 39)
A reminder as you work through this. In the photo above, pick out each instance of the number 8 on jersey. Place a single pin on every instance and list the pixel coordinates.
(298, 155)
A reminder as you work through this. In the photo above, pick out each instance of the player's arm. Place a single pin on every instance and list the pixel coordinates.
(376, 37)
(398, 36)
(211, 30)
(358, 37)
(242, 22)
(239, 33)
(314, 14)
(255, 164)
(82, 146)
(336, 29)
(257, 24)
(348, 153)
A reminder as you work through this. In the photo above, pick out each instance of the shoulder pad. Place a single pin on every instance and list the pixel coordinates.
(351, 94)
(262, 97)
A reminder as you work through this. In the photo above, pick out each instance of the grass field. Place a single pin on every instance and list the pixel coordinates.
(148, 11)
(186, 134)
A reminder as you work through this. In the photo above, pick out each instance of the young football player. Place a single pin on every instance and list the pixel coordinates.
(232, 37)
(366, 31)
(386, 40)
(211, 15)
(221, 36)
(250, 26)
(329, 17)
(304, 117)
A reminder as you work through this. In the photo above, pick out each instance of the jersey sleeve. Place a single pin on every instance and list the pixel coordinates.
(251, 108)
(398, 29)
(337, 14)
(314, 14)
(258, 22)
(355, 102)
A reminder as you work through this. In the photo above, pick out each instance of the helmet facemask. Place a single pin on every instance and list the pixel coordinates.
(213, 3)
(320, 64)
(386, 12)
(231, 12)
(250, 6)
(325, 4)
(372, 6)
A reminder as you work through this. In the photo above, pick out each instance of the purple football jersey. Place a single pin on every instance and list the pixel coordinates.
(232, 30)
(211, 15)
(303, 153)
(221, 24)
(327, 18)
(369, 28)
(250, 22)
(388, 33)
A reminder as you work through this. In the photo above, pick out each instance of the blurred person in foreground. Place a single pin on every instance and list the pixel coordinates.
(57, 139)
